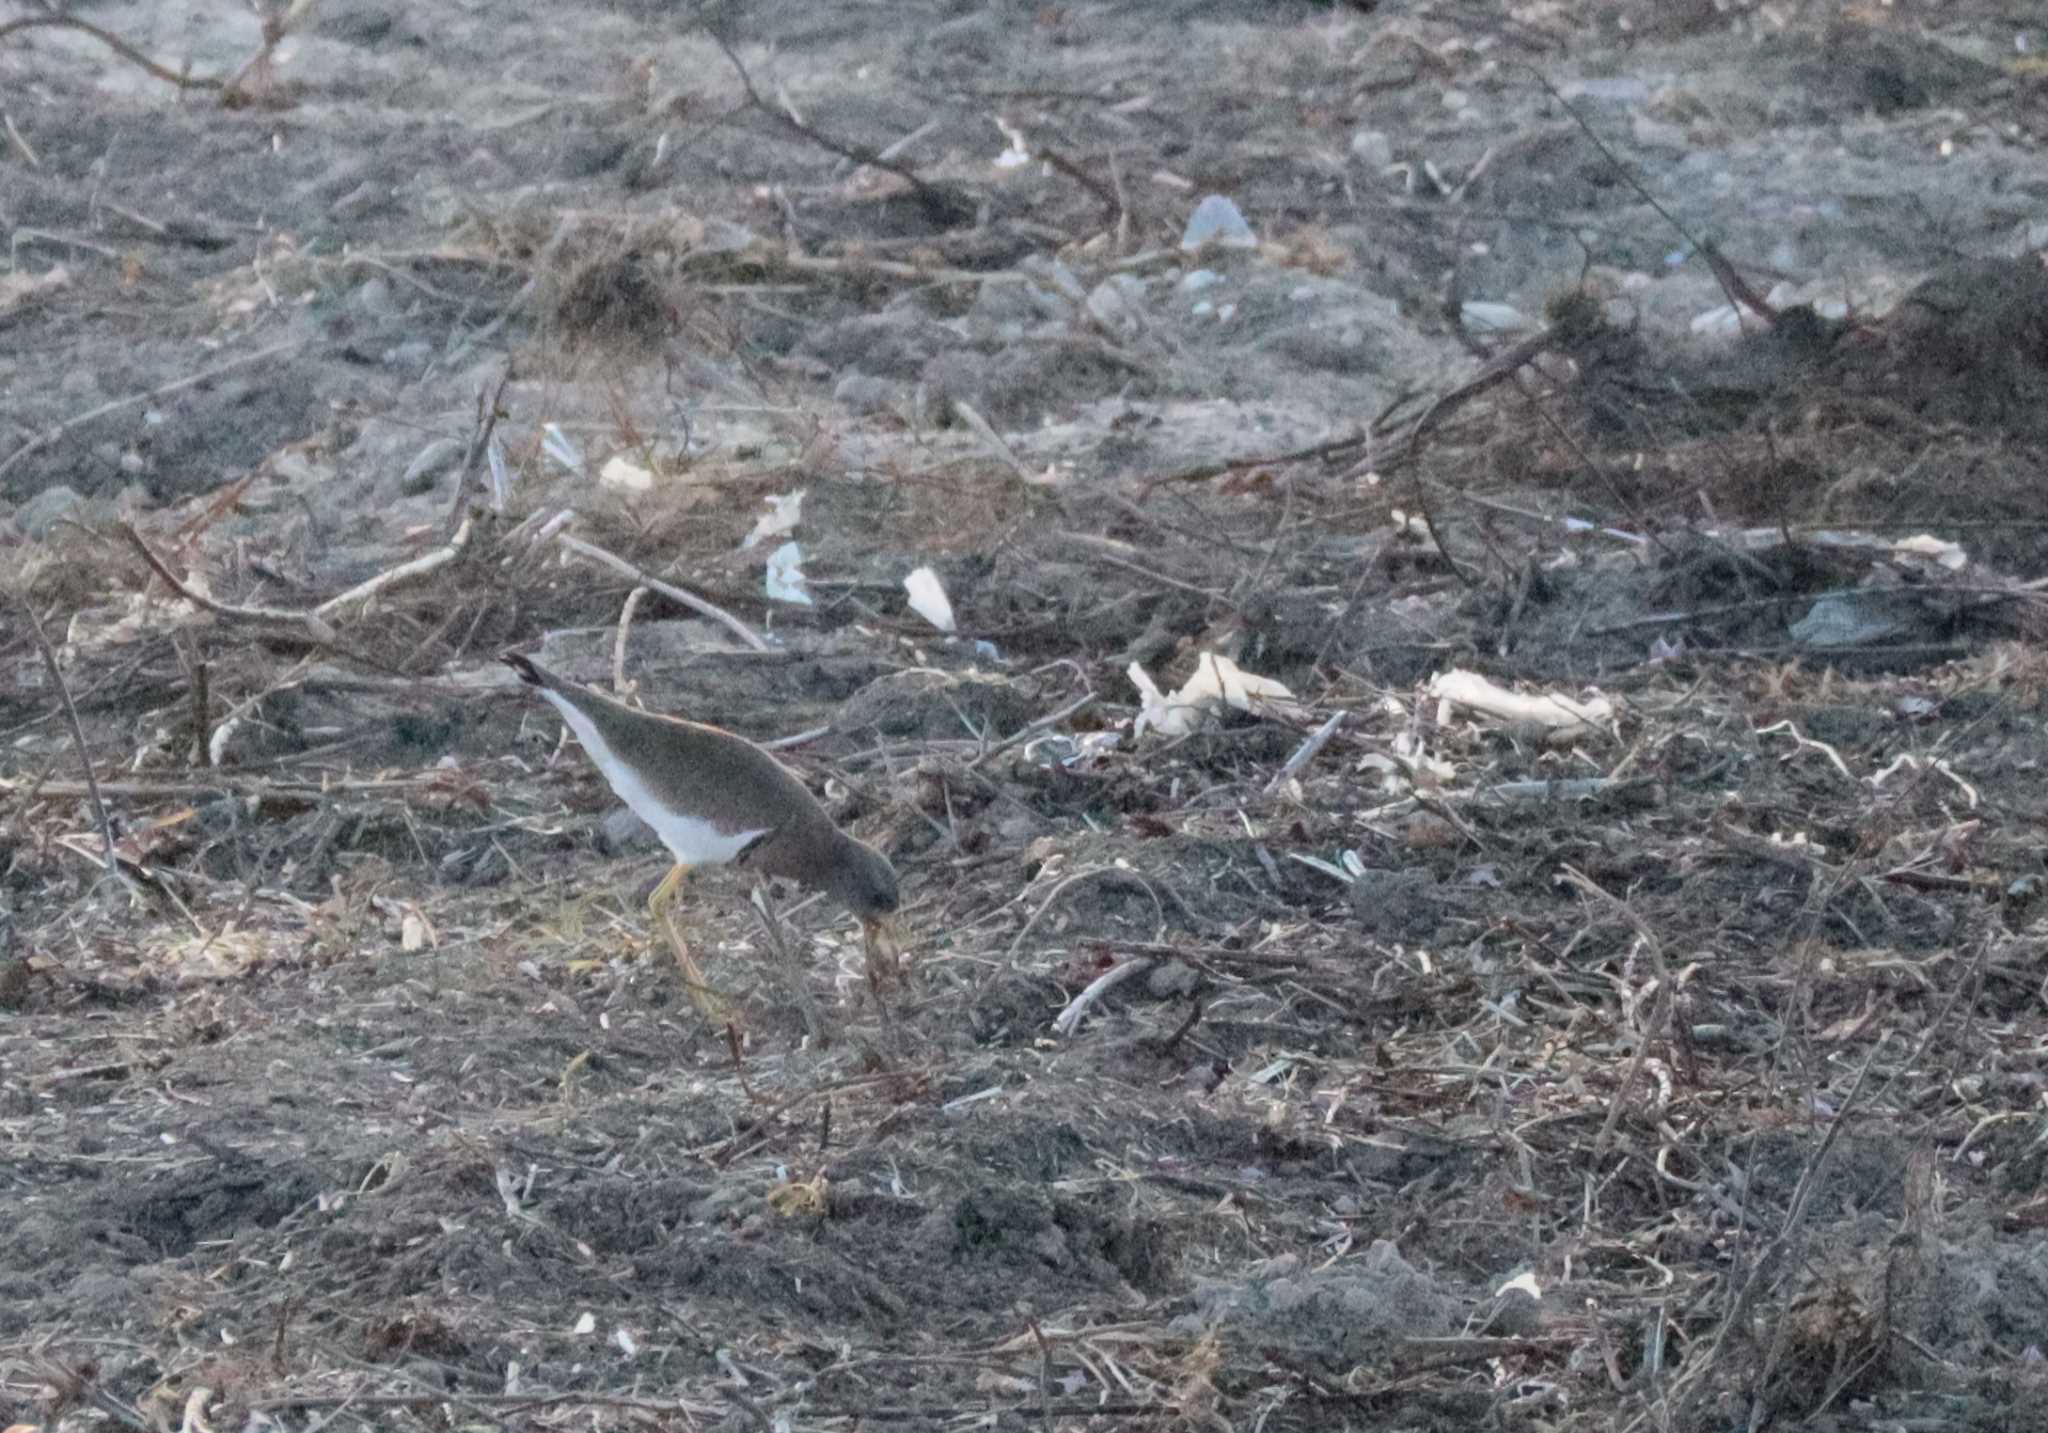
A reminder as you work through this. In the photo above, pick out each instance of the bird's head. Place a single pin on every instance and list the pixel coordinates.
(865, 883)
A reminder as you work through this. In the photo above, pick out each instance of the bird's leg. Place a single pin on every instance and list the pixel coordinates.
(701, 995)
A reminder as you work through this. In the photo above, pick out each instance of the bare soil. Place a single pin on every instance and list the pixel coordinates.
(1681, 1068)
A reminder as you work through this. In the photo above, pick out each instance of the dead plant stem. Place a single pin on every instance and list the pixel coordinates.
(92, 782)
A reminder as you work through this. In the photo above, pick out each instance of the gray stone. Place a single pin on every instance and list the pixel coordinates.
(1372, 149)
(1118, 304)
(863, 393)
(1341, 1315)
(1617, 90)
(42, 512)
(374, 298)
(1399, 905)
(426, 469)
(412, 356)
(1172, 978)
(621, 831)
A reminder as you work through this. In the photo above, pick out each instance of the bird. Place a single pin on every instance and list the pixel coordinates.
(714, 798)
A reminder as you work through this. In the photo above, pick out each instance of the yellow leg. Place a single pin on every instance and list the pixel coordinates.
(701, 994)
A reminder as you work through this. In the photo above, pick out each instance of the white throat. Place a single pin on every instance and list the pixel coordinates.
(691, 841)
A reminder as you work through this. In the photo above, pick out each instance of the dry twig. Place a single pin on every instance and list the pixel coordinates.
(405, 572)
(621, 688)
(92, 784)
(118, 45)
(308, 624)
(669, 590)
(942, 205)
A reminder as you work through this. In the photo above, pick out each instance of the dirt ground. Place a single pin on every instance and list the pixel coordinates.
(1601, 988)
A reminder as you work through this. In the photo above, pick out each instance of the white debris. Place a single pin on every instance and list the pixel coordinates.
(1217, 682)
(785, 576)
(785, 510)
(1471, 692)
(928, 599)
(623, 473)
(1218, 221)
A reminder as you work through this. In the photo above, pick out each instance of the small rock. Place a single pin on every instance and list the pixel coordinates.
(1847, 724)
(1171, 979)
(1515, 1314)
(14, 983)
(1485, 317)
(622, 831)
(412, 356)
(1118, 305)
(427, 467)
(1017, 828)
(1396, 904)
(1651, 133)
(863, 393)
(725, 1200)
(374, 298)
(1060, 276)
(1612, 89)
(42, 512)
(1338, 1315)
(1373, 149)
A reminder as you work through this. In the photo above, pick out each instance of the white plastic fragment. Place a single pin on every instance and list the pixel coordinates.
(1217, 220)
(217, 744)
(1016, 152)
(785, 510)
(1217, 682)
(1483, 317)
(1945, 554)
(1717, 322)
(928, 599)
(1458, 689)
(1316, 863)
(623, 473)
(501, 475)
(561, 447)
(785, 577)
